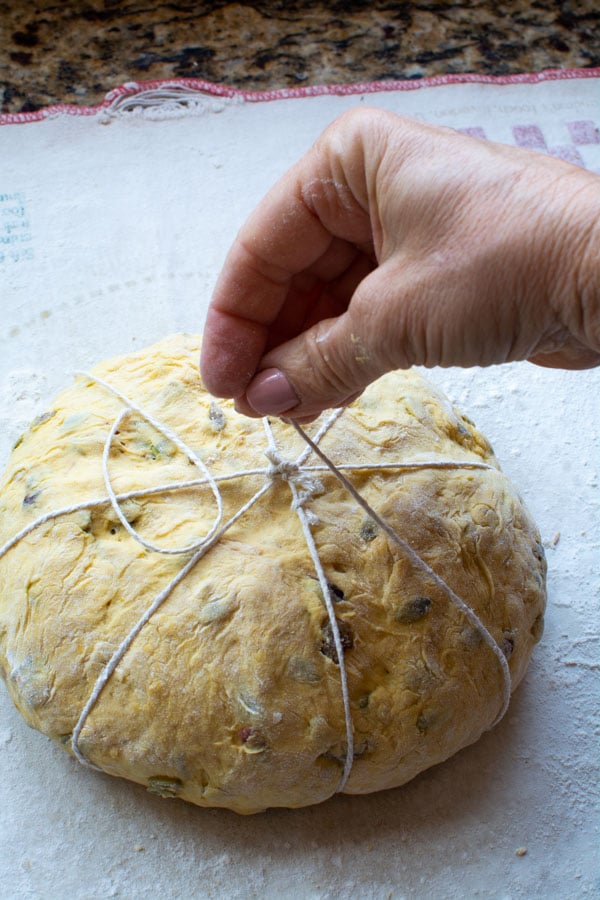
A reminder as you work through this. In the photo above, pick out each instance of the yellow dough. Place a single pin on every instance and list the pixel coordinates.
(230, 694)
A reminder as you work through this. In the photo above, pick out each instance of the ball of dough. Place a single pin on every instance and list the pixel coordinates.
(230, 693)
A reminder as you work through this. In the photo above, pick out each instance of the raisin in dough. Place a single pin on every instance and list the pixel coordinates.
(230, 694)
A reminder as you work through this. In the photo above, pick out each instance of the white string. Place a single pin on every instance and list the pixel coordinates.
(187, 548)
(298, 504)
(421, 564)
(120, 652)
(181, 445)
(175, 486)
(337, 640)
(298, 476)
(125, 644)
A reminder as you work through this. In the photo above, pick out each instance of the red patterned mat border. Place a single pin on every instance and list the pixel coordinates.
(217, 90)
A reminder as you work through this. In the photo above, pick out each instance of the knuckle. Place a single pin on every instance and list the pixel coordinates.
(329, 363)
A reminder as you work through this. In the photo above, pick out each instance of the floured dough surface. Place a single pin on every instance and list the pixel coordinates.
(230, 693)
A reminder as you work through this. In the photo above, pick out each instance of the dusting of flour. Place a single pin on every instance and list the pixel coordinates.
(21, 393)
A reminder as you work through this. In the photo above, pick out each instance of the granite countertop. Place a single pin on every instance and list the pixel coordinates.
(76, 52)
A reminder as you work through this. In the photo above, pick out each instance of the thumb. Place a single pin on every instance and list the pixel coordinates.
(327, 365)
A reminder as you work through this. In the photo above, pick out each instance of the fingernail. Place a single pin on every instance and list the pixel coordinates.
(271, 392)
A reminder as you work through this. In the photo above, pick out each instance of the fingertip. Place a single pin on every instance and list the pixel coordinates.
(242, 407)
(231, 351)
(270, 393)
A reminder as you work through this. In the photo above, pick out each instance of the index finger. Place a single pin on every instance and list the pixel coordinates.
(280, 239)
(290, 232)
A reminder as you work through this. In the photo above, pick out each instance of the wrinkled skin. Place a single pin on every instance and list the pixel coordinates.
(393, 243)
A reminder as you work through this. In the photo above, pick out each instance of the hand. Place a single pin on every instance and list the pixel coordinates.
(392, 243)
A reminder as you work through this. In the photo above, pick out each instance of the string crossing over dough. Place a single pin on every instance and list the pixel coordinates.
(278, 664)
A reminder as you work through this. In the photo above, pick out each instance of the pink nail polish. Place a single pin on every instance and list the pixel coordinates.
(271, 392)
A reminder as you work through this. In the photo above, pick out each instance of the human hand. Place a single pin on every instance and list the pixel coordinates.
(392, 243)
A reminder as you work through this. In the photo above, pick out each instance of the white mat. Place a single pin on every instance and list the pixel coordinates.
(112, 230)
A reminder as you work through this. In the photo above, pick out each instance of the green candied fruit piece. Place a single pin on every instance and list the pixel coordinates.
(470, 636)
(304, 670)
(32, 679)
(368, 529)
(39, 420)
(426, 719)
(164, 786)
(413, 610)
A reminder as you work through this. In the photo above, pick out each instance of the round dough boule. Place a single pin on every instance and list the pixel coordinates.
(230, 694)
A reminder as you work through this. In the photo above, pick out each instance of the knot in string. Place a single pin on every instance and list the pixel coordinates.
(284, 469)
(291, 471)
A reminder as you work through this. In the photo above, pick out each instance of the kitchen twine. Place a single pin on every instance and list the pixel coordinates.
(304, 484)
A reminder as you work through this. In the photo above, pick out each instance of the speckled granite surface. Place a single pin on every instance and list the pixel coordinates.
(52, 52)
